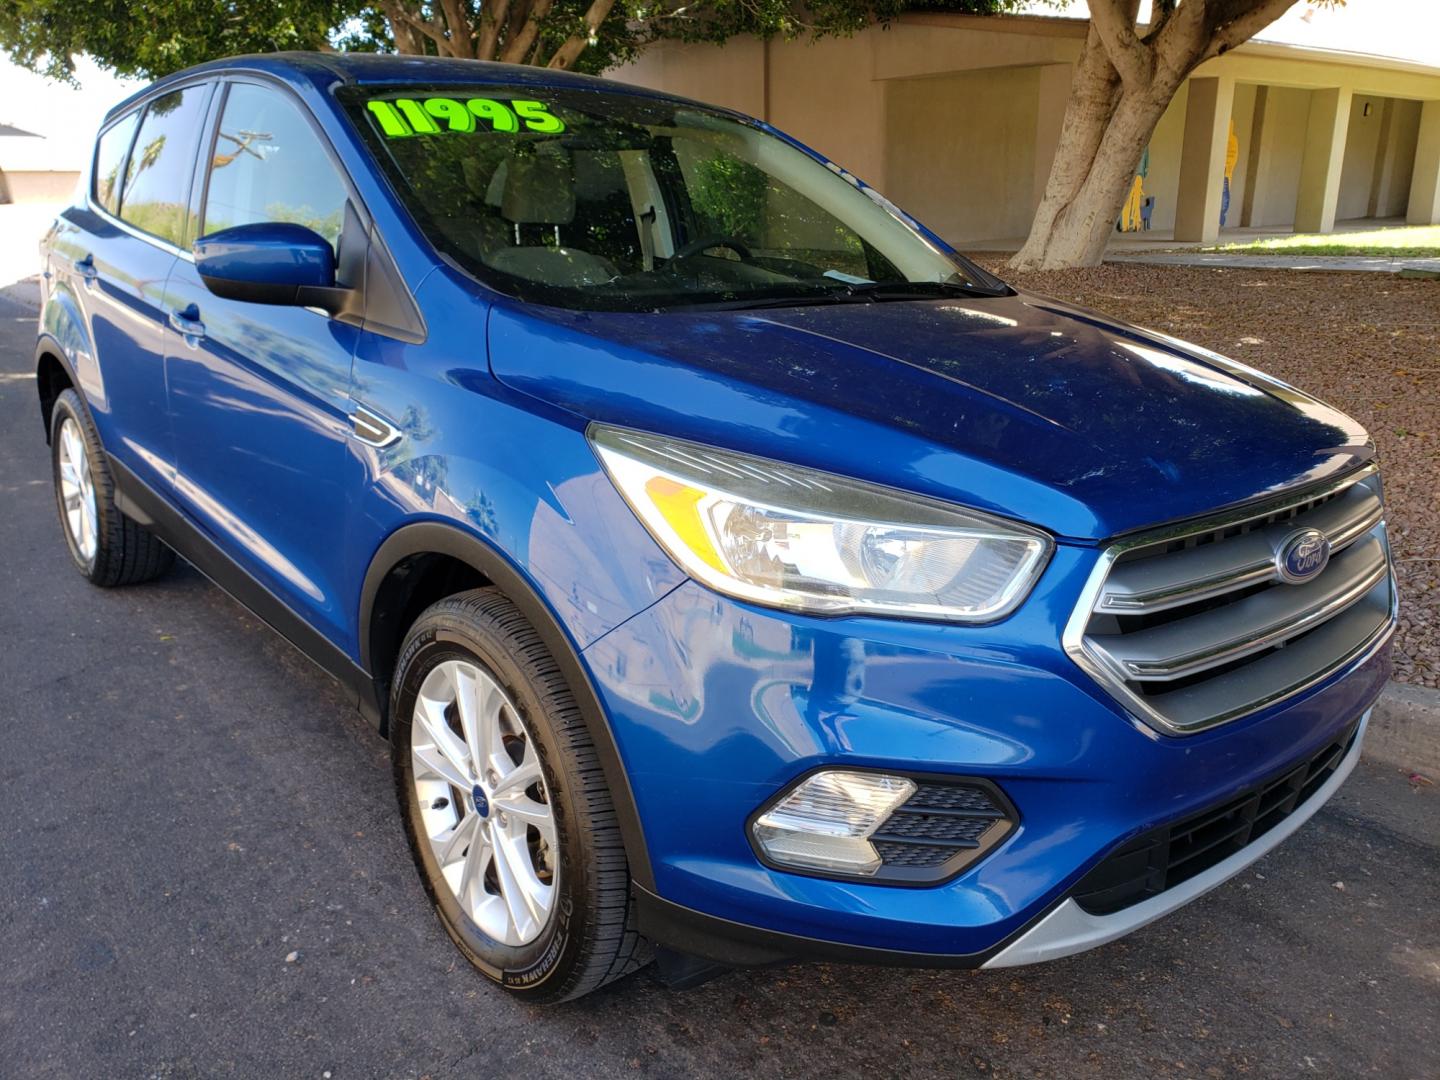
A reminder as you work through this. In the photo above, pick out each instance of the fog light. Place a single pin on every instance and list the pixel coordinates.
(826, 821)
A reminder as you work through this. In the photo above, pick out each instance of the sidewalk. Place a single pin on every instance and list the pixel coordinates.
(1297, 261)
(1160, 248)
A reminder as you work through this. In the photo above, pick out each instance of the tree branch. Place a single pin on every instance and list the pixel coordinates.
(462, 33)
(1114, 22)
(519, 45)
(1180, 44)
(1159, 16)
(398, 15)
(406, 39)
(492, 17)
(1244, 25)
(519, 11)
(575, 44)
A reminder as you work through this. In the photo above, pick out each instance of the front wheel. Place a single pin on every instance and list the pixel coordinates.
(505, 805)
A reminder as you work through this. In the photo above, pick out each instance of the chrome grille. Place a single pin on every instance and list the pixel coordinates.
(1192, 626)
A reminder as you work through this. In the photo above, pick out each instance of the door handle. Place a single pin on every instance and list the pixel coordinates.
(186, 321)
(85, 267)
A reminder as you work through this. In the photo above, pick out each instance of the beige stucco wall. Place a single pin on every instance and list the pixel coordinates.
(961, 150)
(732, 75)
(823, 93)
(942, 44)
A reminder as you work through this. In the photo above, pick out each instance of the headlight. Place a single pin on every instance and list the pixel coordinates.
(792, 537)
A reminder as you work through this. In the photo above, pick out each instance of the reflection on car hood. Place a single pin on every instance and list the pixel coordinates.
(1024, 405)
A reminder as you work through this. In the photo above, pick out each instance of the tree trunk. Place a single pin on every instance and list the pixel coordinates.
(1094, 90)
(1106, 129)
(1082, 220)
(407, 39)
(1122, 85)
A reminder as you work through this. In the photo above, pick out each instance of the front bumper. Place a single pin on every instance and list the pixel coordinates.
(717, 705)
(1068, 928)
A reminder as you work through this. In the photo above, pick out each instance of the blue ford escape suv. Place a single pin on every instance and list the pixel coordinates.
(737, 572)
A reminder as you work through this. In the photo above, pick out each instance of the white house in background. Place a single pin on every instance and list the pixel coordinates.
(33, 169)
(47, 129)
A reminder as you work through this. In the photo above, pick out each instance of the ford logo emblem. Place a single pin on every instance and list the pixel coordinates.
(482, 804)
(1302, 556)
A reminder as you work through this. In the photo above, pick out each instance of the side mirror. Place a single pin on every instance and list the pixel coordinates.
(271, 263)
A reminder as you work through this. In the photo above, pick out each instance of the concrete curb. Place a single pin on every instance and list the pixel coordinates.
(1422, 266)
(1405, 730)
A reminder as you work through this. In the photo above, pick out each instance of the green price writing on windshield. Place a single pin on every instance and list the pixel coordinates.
(404, 117)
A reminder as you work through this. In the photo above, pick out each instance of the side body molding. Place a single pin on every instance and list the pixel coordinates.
(430, 537)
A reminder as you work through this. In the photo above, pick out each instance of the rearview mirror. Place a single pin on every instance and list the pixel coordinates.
(270, 263)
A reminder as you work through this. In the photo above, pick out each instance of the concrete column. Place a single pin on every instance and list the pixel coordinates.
(1202, 159)
(1324, 154)
(1053, 96)
(1425, 180)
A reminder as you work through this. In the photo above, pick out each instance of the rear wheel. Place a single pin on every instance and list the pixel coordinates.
(105, 545)
(505, 805)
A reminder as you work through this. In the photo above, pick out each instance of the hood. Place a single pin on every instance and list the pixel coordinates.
(1020, 405)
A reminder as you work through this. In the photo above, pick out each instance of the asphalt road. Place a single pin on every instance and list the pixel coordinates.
(185, 802)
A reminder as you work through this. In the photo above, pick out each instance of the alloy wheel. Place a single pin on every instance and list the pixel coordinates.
(484, 805)
(77, 490)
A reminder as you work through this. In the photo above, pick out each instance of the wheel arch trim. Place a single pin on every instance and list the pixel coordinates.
(49, 347)
(439, 538)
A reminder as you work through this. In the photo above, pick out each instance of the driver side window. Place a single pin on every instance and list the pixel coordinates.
(268, 165)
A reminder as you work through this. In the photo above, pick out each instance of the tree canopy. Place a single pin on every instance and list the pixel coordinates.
(150, 38)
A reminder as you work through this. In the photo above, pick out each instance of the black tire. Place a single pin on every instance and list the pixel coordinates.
(125, 552)
(590, 938)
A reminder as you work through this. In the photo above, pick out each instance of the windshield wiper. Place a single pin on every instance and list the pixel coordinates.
(828, 296)
(869, 292)
(919, 290)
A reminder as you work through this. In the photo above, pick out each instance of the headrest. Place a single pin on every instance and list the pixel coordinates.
(539, 189)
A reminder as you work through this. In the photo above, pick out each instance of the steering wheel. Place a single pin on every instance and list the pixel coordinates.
(705, 243)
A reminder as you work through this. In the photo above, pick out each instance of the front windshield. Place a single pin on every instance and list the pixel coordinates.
(596, 200)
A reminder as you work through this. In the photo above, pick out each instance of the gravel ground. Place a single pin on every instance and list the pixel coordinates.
(1366, 343)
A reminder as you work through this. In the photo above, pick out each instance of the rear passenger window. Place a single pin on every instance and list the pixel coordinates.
(270, 165)
(109, 157)
(157, 179)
